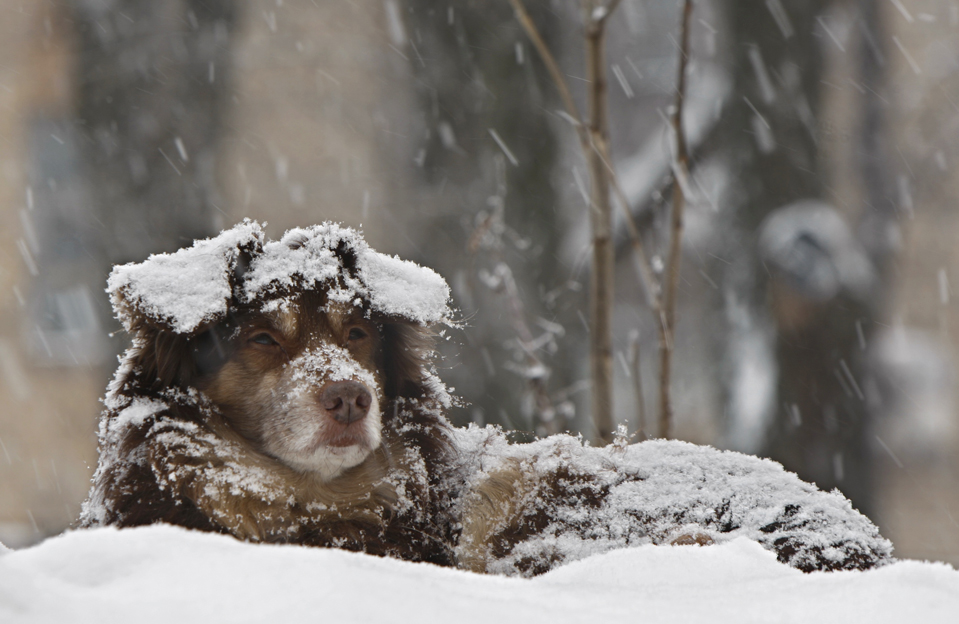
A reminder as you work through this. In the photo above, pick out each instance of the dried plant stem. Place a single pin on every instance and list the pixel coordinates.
(643, 267)
(536, 372)
(553, 68)
(601, 226)
(671, 286)
(593, 132)
(636, 372)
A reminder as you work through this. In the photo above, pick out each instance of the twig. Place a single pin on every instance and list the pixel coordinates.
(643, 266)
(636, 372)
(602, 268)
(553, 68)
(605, 12)
(536, 372)
(681, 168)
(592, 132)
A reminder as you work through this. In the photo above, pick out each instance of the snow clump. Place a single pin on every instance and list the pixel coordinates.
(192, 287)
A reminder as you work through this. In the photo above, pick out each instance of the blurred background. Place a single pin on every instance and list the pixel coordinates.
(820, 277)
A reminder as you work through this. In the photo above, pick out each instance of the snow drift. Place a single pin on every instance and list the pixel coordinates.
(162, 574)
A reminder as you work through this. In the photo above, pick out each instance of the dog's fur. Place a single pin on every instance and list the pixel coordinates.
(228, 424)
(224, 428)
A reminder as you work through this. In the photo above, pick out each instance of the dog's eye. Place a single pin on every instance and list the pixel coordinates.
(263, 338)
(356, 334)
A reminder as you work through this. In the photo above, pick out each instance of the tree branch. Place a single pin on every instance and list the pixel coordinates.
(593, 136)
(599, 17)
(681, 169)
(602, 268)
(553, 68)
(653, 288)
(634, 361)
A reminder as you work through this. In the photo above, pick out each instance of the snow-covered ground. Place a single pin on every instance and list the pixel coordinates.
(167, 574)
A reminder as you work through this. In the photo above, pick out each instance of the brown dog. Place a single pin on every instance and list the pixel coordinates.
(305, 389)
(283, 392)
(279, 391)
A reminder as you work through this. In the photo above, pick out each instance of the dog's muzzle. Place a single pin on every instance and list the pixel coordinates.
(346, 401)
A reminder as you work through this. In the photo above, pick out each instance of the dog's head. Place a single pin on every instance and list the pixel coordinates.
(300, 343)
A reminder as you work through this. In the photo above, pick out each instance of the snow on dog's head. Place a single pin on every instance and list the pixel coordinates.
(299, 343)
(197, 285)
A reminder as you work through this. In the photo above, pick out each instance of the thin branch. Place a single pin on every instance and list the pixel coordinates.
(653, 288)
(552, 67)
(671, 286)
(535, 371)
(636, 371)
(646, 272)
(602, 268)
(593, 136)
(607, 10)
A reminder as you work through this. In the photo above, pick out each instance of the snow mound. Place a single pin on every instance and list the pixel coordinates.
(195, 285)
(163, 573)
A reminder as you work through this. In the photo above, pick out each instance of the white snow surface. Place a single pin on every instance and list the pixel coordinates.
(192, 286)
(164, 573)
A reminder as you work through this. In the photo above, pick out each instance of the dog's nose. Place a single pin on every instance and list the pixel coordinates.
(346, 401)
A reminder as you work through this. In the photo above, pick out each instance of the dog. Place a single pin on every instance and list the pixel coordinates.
(284, 392)
(279, 392)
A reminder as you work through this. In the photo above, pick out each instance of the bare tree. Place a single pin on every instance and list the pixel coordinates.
(593, 134)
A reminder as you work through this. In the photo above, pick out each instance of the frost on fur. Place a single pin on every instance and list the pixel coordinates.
(534, 506)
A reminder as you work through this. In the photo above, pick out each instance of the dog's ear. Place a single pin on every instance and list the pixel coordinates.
(183, 291)
(164, 359)
(168, 302)
(407, 355)
(405, 290)
(210, 350)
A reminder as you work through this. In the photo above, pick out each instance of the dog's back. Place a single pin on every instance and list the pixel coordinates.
(532, 507)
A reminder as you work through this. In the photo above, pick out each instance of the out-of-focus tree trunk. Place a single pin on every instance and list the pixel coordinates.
(153, 87)
(769, 133)
(500, 231)
(879, 226)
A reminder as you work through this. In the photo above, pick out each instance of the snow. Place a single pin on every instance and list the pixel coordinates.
(401, 288)
(307, 257)
(132, 416)
(164, 573)
(185, 288)
(193, 286)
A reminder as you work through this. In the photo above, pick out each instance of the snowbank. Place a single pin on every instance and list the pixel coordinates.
(164, 574)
